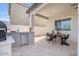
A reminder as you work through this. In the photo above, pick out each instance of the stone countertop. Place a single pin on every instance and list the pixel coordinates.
(9, 40)
(18, 32)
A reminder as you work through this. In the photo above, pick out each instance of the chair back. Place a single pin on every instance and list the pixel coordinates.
(47, 34)
(67, 36)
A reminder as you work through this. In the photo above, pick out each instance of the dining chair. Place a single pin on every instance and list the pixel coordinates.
(64, 38)
(51, 37)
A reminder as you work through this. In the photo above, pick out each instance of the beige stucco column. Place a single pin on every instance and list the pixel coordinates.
(31, 29)
(31, 23)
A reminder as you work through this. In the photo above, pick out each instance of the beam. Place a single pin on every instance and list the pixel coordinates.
(34, 6)
(75, 4)
(37, 9)
(21, 4)
(42, 16)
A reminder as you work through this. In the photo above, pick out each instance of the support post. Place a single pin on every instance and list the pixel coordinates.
(31, 30)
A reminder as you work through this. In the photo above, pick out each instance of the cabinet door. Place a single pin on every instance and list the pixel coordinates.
(16, 37)
(24, 39)
(5, 50)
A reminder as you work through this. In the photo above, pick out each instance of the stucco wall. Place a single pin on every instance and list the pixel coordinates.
(74, 22)
(18, 15)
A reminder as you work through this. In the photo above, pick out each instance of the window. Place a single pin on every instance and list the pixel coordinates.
(63, 24)
(58, 25)
(4, 9)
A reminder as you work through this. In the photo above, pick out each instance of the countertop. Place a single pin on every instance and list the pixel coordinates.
(9, 40)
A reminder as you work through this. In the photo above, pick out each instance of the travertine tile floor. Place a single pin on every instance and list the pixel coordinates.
(43, 48)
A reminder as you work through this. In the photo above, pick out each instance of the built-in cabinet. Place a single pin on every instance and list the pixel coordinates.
(22, 38)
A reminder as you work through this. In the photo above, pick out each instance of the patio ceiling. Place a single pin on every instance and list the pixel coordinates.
(56, 8)
(32, 7)
(50, 9)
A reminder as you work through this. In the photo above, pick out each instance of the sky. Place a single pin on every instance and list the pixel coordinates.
(28, 4)
(4, 12)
